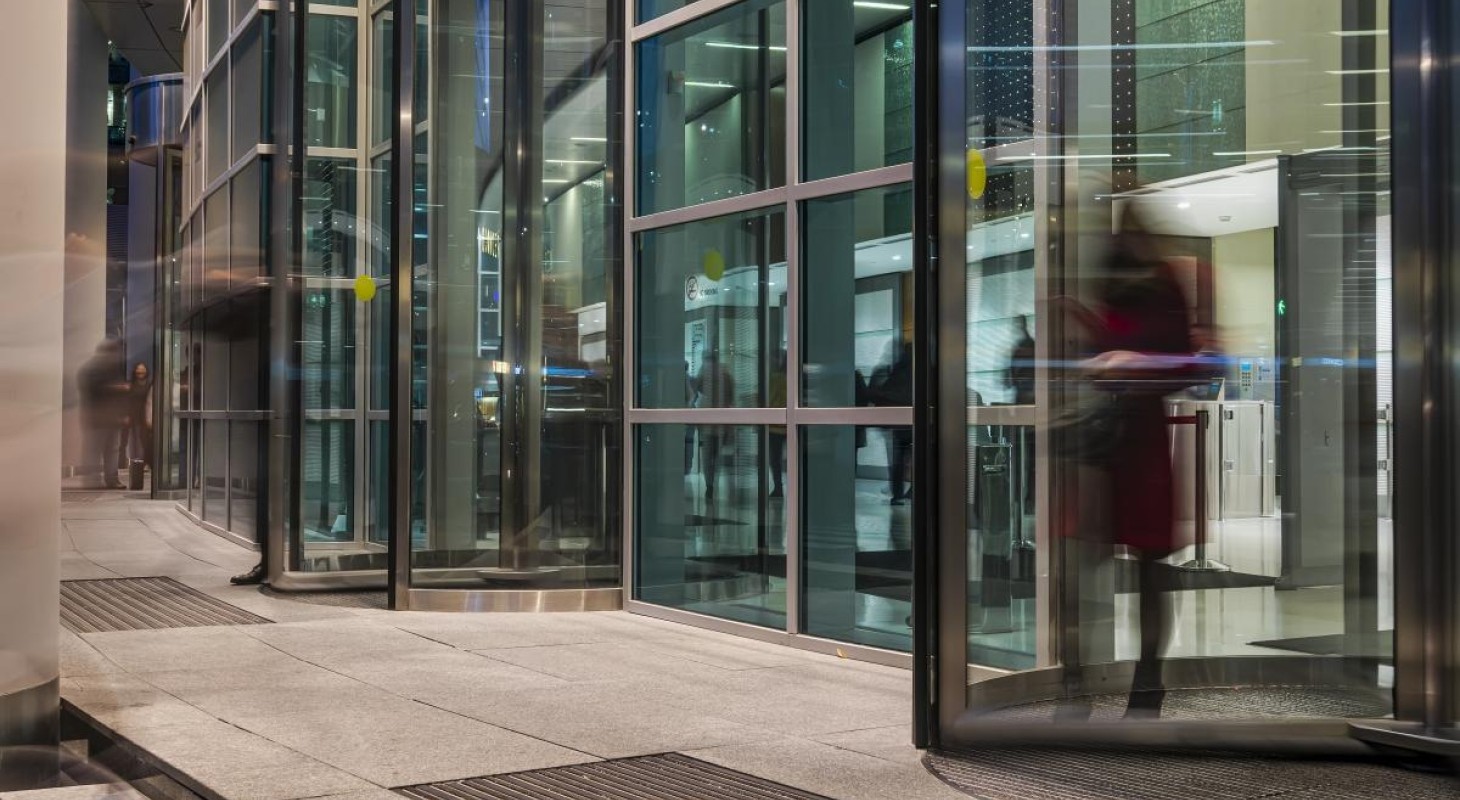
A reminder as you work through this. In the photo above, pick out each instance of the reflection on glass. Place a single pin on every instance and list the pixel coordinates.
(249, 222)
(857, 538)
(712, 108)
(215, 245)
(330, 94)
(1001, 283)
(649, 9)
(248, 73)
(711, 538)
(858, 86)
(329, 217)
(711, 308)
(1001, 549)
(382, 99)
(857, 331)
(1001, 71)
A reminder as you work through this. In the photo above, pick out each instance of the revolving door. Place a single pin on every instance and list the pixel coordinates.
(1238, 155)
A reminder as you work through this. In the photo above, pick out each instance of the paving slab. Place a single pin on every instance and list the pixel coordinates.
(831, 771)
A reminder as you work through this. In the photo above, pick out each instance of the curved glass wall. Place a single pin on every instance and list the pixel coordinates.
(1177, 361)
(218, 359)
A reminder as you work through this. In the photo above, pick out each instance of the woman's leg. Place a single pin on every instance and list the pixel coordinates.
(1147, 689)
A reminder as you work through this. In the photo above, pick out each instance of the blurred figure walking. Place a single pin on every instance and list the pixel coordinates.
(103, 390)
(1142, 334)
(138, 436)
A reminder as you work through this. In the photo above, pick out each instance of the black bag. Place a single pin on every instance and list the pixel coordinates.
(134, 474)
(1089, 431)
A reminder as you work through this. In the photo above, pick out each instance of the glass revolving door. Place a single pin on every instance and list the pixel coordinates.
(1176, 367)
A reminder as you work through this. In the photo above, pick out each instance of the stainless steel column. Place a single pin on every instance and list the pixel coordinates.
(402, 186)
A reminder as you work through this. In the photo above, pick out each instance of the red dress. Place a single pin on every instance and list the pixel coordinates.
(1146, 315)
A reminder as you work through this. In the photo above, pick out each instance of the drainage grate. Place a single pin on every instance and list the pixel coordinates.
(138, 604)
(666, 777)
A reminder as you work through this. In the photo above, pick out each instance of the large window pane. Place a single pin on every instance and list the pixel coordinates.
(711, 539)
(857, 87)
(857, 334)
(330, 94)
(857, 533)
(1001, 588)
(382, 100)
(711, 108)
(711, 312)
(218, 24)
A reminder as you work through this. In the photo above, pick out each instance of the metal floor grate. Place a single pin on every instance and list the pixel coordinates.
(138, 604)
(665, 777)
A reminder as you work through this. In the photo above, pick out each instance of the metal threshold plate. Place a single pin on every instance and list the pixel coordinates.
(663, 777)
(139, 604)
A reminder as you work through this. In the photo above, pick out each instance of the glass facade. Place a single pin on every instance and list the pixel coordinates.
(747, 309)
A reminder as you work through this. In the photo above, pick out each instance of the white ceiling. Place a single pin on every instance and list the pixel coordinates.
(147, 32)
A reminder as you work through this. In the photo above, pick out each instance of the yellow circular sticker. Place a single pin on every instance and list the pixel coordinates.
(978, 174)
(365, 288)
(714, 265)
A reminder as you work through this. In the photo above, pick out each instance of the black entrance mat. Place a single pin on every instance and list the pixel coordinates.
(1176, 579)
(1379, 645)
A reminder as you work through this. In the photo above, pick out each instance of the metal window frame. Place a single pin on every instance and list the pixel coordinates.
(788, 200)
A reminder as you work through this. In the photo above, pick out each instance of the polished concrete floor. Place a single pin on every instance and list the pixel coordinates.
(346, 703)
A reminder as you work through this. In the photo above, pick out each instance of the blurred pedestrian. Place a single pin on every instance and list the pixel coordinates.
(714, 387)
(138, 436)
(1142, 334)
(103, 390)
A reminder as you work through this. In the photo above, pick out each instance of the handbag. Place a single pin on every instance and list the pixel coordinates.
(1089, 430)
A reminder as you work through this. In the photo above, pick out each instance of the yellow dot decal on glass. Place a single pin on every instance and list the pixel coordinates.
(978, 174)
(365, 288)
(714, 265)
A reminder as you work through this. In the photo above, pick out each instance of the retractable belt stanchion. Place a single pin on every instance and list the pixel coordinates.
(1202, 421)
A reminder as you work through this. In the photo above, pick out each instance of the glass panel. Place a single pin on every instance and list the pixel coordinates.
(857, 334)
(245, 457)
(710, 537)
(712, 108)
(247, 381)
(215, 472)
(218, 154)
(329, 82)
(1002, 626)
(1001, 71)
(382, 99)
(857, 532)
(248, 73)
(327, 342)
(381, 203)
(326, 507)
(329, 217)
(215, 261)
(857, 86)
(218, 25)
(249, 223)
(215, 363)
(711, 305)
